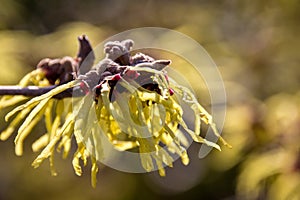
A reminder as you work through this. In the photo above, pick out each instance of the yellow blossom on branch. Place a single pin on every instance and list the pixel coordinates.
(128, 99)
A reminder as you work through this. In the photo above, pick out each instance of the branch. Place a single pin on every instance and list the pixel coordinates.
(33, 91)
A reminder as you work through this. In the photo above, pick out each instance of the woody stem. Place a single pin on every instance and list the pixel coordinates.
(32, 91)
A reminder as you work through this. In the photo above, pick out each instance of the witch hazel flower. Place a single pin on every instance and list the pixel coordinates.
(130, 99)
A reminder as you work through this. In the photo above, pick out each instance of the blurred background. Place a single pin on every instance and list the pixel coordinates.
(255, 45)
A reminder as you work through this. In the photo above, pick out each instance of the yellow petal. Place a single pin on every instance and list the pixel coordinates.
(79, 154)
(31, 116)
(52, 168)
(146, 161)
(11, 128)
(185, 158)
(47, 151)
(94, 172)
(40, 143)
(11, 101)
(124, 145)
(24, 132)
(48, 115)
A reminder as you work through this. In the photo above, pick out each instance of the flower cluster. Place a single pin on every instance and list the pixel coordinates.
(128, 98)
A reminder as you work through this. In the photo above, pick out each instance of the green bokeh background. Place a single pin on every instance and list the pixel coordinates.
(255, 45)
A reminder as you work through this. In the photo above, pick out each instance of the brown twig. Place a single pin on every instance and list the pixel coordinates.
(32, 91)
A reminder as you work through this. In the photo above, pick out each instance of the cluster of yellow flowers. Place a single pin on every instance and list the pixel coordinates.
(129, 99)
